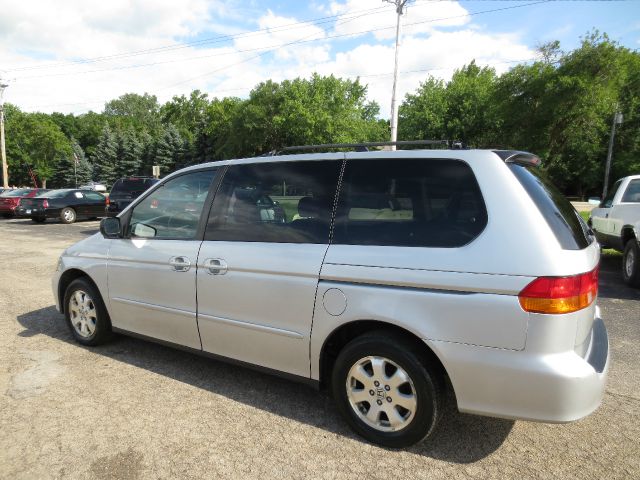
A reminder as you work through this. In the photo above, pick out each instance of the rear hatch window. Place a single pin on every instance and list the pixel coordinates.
(565, 222)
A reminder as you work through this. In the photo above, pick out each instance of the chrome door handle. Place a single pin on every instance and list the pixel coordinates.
(180, 264)
(216, 266)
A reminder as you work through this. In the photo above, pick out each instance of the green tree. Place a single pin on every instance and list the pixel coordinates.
(141, 112)
(562, 110)
(130, 150)
(188, 114)
(317, 110)
(458, 110)
(215, 140)
(36, 141)
(72, 170)
(169, 151)
(423, 114)
(105, 157)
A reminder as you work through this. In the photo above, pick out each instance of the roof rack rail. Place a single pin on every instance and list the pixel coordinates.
(363, 147)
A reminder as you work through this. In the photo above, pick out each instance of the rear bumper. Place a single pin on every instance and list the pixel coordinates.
(37, 212)
(557, 387)
(7, 210)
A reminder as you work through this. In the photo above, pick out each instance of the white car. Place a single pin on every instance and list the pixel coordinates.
(96, 187)
(616, 223)
(388, 277)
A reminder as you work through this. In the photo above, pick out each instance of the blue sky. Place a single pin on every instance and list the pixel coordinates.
(74, 55)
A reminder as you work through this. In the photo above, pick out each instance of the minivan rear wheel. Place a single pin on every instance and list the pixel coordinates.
(85, 313)
(386, 390)
(631, 263)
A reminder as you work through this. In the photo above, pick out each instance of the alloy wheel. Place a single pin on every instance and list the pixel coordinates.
(381, 393)
(82, 313)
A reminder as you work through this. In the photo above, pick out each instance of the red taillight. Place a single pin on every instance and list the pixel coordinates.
(560, 294)
(107, 201)
(45, 203)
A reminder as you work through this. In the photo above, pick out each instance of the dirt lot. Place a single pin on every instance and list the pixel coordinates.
(133, 409)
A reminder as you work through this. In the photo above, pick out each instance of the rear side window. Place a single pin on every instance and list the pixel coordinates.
(565, 222)
(632, 193)
(280, 202)
(409, 202)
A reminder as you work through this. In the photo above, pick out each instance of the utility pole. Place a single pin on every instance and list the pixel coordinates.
(3, 152)
(617, 120)
(400, 4)
(75, 168)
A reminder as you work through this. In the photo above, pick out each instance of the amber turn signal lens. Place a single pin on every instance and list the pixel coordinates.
(560, 294)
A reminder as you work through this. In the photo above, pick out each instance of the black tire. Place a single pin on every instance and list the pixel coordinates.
(6, 215)
(427, 385)
(39, 219)
(102, 323)
(631, 263)
(68, 215)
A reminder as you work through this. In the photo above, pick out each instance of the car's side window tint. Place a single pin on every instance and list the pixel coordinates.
(280, 202)
(174, 209)
(409, 202)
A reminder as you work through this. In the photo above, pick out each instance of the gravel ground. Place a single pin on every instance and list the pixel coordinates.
(133, 409)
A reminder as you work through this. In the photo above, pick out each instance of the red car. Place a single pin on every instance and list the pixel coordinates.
(10, 199)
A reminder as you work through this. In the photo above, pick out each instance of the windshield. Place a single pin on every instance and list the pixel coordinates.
(17, 193)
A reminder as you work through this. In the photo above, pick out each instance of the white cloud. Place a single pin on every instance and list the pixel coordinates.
(73, 29)
(361, 16)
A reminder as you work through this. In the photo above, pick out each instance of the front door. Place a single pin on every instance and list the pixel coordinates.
(600, 216)
(258, 267)
(152, 272)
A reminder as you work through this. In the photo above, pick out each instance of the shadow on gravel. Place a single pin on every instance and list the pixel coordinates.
(459, 438)
(611, 284)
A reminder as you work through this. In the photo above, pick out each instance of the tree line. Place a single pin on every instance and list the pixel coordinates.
(560, 107)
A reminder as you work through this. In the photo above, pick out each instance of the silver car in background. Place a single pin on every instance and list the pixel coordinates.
(385, 277)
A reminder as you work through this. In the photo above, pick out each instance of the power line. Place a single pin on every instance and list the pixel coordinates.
(268, 49)
(217, 39)
(347, 75)
(409, 24)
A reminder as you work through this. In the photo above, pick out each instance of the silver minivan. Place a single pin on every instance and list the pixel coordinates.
(385, 277)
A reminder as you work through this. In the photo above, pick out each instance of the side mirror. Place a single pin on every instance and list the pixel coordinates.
(110, 227)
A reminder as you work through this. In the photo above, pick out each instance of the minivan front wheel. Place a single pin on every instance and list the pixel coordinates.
(631, 263)
(86, 314)
(386, 390)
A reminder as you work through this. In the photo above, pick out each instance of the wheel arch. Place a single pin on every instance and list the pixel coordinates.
(627, 233)
(65, 280)
(343, 334)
